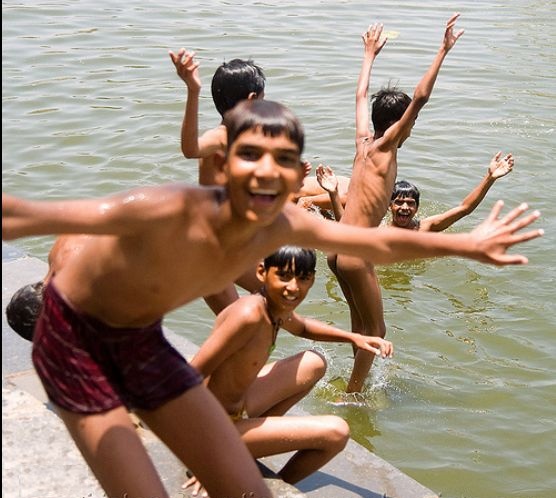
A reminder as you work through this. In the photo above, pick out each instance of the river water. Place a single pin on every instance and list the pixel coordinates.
(91, 105)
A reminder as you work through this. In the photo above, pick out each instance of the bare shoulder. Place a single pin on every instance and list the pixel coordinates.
(249, 309)
(213, 140)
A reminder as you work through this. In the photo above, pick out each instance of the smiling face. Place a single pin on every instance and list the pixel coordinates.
(403, 211)
(263, 171)
(285, 288)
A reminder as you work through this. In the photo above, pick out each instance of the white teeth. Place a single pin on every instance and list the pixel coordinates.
(290, 298)
(262, 191)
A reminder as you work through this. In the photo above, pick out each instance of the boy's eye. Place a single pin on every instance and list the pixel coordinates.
(289, 160)
(249, 153)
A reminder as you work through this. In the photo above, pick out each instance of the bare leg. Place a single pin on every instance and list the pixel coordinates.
(281, 384)
(114, 452)
(317, 440)
(249, 280)
(359, 282)
(198, 430)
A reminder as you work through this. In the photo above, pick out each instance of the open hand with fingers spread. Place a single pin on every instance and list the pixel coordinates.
(500, 166)
(187, 68)
(496, 235)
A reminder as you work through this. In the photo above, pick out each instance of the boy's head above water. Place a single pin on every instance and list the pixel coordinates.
(235, 81)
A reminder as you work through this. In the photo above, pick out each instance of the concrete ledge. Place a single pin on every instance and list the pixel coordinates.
(40, 458)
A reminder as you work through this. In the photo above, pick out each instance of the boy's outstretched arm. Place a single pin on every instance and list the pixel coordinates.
(309, 328)
(126, 213)
(499, 167)
(488, 243)
(424, 88)
(372, 45)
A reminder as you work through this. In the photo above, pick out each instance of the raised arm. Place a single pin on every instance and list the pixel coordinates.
(316, 330)
(424, 88)
(188, 70)
(328, 181)
(372, 44)
(499, 167)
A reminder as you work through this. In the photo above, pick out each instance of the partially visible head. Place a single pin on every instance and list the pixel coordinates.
(404, 203)
(388, 106)
(270, 117)
(24, 308)
(288, 275)
(235, 81)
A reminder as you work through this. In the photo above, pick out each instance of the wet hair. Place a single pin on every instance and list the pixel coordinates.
(234, 81)
(270, 117)
(388, 106)
(24, 308)
(302, 261)
(405, 189)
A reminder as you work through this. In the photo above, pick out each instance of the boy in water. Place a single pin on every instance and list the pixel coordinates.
(98, 346)
(374, 173)
(405, 200)
(255, 394)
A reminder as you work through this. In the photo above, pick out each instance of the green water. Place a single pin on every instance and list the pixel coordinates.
(91, 105)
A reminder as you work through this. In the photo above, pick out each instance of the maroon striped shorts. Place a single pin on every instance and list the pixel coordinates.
(87, 366)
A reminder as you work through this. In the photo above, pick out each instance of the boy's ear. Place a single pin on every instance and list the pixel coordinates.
(261, 272)
(252, 96)
(221, 172)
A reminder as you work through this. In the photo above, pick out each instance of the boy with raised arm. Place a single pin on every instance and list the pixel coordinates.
(232, 82)
(405, 200)
(373, 176)
(256, 395)
(98, 345)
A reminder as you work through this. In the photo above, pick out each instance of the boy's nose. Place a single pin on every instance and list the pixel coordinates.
(292, 285)
(267, 167)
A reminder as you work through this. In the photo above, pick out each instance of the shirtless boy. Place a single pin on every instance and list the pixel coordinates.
(405, 200)
(374, 173)
(255, 394)
(232, 82)
(158, 248)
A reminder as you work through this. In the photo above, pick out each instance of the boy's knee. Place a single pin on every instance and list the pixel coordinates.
(315, 363)
(338, 433)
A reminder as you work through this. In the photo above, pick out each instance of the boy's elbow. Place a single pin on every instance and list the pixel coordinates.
(190, 153)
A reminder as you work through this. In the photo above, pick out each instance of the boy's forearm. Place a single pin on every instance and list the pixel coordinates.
(364, 77)
(424, 88)
(474, 198)
(190, 125)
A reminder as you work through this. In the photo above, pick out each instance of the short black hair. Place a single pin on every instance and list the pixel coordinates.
(389, 104)
(24, 308)
(234, 81)
(271, 117)
(301, 260)
(405, 189)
